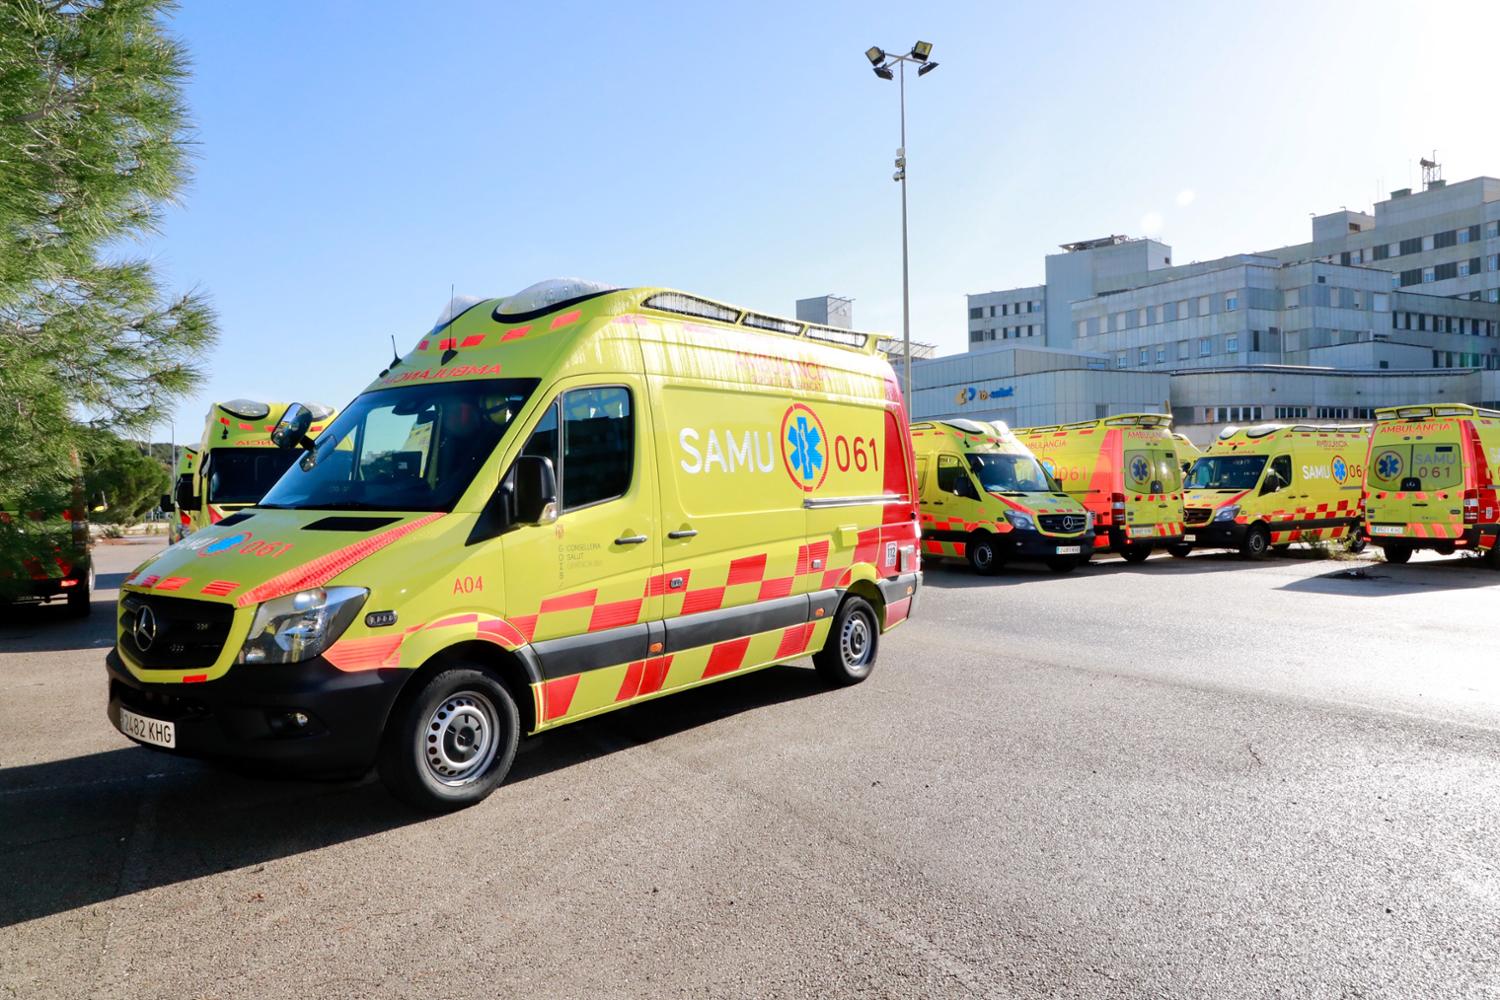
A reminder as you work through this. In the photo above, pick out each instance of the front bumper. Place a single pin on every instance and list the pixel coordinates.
(1031, 544)
(1216, 535)
(236, 716)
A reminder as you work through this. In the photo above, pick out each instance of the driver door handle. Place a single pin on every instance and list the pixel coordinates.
(630, 539)
(684, 533)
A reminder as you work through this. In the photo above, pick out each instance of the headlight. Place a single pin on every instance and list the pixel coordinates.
(1088, 519)
(300, 626)
(1227, 513)
(1021, 522)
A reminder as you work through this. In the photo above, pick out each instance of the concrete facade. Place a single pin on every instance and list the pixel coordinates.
(1398, 305)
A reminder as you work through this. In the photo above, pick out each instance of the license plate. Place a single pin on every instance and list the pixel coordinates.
(1145, 532)
(153, 731)
(1069, 550)
(1386, 529)
(1189, 538)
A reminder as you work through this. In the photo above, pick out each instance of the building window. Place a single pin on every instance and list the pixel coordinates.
(1429, 242)
(1428, 275)
(1182, 350)
(1161, 355)
(1083, 328)
(1119, 321)
(1205, 347)
(1231, 302)
(1413, 245)
(1463, 269)
(1122, 361)
(976, 312)
(1463, 236)
(1444, 239)
(1142, 319)
(1161, 313)
(1203, 305)
(1492, 230)
(1182, 309)
(1232, 344)
(1494, 294)
(1145, 356)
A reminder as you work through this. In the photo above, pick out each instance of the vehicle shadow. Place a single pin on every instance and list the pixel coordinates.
(1380, 579)
(90, 829)
(52, 628)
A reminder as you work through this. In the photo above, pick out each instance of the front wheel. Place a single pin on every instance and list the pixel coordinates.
(983, 553)
(1135, 553)
(453, 743)
(848, 654)
(1256, 544)
(1398, 554)
(1063, 564)
(1357, 541)
(1179, 550)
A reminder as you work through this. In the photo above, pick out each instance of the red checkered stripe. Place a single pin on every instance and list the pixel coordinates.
(384, 650)
(934, 523)
(503, 337)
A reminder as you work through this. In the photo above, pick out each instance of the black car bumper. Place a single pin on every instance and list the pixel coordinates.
(1216, 535)
(250, 713)
(1030, 544)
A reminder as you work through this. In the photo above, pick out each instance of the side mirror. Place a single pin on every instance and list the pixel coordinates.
(291, 430)
(186, 499)
(533, 486)
(1273, 483)
(166, 501)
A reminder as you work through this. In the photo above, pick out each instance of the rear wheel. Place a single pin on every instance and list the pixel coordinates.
(1398, 554)
(80, 598)
(1136, 553)
(1179, 550)
(1256, 544)
(984, 554)
(848, 654)
(1492, 557)
(453, 743)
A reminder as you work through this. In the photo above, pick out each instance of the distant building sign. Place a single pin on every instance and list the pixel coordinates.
(974, 393)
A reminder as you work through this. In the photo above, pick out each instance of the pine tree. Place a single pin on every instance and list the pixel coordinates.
(94, 141)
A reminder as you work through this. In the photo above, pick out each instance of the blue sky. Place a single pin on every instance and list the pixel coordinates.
(357, 159)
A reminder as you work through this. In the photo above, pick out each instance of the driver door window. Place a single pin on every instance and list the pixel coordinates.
(953, 478)
(1278, 474)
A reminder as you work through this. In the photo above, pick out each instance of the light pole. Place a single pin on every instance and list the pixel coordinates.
(882, 61)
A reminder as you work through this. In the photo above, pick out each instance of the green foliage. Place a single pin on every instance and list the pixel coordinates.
(119, 475)
(93, 141)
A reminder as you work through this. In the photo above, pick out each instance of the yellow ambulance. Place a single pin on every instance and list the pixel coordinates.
(559, 503)
(1431, 481)
(1187, 452)
(986, 498)
(181, 524)
(1124, 470)
(234, 464)
(1270, 485)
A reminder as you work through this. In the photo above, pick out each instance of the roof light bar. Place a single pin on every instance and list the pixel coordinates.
(246, 409)
(688, 305)
(831, 335)
(761, 322)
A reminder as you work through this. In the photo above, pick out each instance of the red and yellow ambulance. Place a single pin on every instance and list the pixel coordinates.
(557, 504)
(986, 498)
(1125, 471)
(1430, 481)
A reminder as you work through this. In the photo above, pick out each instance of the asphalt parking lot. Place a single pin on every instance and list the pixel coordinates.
(1193, 778)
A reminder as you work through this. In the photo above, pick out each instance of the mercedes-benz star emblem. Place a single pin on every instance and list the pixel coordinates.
(145, 629)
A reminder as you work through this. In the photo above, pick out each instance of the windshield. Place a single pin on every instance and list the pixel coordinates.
(245, 475)
(1011, 474)
(1226, 472)
(404, 449)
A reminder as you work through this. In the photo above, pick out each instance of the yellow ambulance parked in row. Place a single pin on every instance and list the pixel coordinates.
(1187, 452)
(234, 464)
(1124, 470)
(557, 504)
(1267, 486)
(986, 498)
(1431, 481)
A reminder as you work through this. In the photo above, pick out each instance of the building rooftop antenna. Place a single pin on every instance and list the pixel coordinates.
(1432, 172)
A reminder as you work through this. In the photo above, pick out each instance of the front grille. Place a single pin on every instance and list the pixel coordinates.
(1064, 523)
(1198, 515)
(188, 633)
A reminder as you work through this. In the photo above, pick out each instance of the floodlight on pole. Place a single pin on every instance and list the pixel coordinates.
(882, 61)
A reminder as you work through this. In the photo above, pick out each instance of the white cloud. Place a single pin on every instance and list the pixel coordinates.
(1151, 223)
(1186, 197)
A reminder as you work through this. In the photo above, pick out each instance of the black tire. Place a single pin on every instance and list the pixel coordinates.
(1179, 550)
(1063, 564)
(1398, 554)
(1492, 557)
(452, 743)
(1135, 553)
(848, 654)
(983, 554)
(1356, 541)
(1281, 549)
(1257, 543)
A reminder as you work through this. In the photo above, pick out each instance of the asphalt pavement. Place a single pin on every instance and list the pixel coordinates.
(1196, 778)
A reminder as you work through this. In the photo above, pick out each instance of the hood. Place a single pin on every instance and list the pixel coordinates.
(1041, 503)
(1212, 498)
(262, 554)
